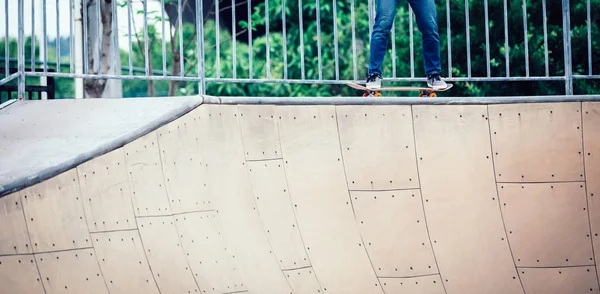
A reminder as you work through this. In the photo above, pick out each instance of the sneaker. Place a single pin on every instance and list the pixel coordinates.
(374, 81)
(436, 82)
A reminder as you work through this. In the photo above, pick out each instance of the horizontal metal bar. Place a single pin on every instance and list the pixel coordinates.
(29, 88)
(586, 77)
(472, 79)
(396, 100)
(124, 68)
(9, 78)
(289, 81)
(116, 77)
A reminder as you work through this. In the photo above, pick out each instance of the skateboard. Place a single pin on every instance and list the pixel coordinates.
(425, 91)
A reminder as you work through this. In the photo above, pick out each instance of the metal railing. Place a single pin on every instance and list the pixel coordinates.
(295, 42)
(30, 90)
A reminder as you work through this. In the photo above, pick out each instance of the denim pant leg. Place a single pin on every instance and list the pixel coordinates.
(426, 14)
(386, 11)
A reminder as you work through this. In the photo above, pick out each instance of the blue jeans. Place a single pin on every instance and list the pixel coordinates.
(426, 15)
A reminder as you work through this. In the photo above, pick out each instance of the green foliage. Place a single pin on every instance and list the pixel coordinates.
(401, 44)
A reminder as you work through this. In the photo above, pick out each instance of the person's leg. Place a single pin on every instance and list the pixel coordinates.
(385, 12)
(426, 14)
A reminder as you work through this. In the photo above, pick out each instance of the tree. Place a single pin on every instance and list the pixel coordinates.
(101, 62)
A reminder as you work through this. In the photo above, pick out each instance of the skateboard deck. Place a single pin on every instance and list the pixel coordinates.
(425, 91)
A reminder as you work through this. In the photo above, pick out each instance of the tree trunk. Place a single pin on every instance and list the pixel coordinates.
(98, 88)
(176, 65)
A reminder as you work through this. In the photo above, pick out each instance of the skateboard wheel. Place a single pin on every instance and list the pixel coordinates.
(432, 95)
(377, 94)
(366, 95)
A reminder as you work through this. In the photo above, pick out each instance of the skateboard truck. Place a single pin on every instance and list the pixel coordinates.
(372, 94)
(427, 94)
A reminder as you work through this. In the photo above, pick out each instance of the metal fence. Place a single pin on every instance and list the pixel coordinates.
(286, 41)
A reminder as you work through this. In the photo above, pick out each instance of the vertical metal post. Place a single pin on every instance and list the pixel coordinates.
(100, 33)
(487, 39)
(78, 54)
(57, 40)
(412, 48)
(268, 43)
(217, 39)
(506, 48)
(353, 22)
(200, 41)
(115, 42)
(335, 41)
(7, 43)
(371, 20)
(164, 42)
(589, 35)
(449, 37)
(300, 8)
(181, 53)
(233, 40)
(545, 38)
(86, 60)
(21, 49)
(468, 33)
(146, 47)
(250, 70)
(318, 11)
(566, 11)
(71, 39)
(129, 13)
(393, 48)
(45, 26)
(32, 34)
(283, 25)
(526, 38)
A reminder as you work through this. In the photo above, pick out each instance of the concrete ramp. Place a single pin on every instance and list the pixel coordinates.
(176, 196)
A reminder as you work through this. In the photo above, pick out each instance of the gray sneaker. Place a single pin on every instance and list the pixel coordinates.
(436, 82)
(374, 81)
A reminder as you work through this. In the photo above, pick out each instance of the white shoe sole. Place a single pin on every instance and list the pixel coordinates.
(439, 87)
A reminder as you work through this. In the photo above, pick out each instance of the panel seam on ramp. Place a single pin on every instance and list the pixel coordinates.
(166, 189)
(363, 244)
(412, 122)
(113, 231)
(410, 277)
(287, 183)
(96, 256)
(384, 190)
(587, 200)
(135, 218)
(297, 268)
(512, 256)
(265, 159)
(542, 182)
(254, 203)
(46, 252)
(566, 266)
(177, 214)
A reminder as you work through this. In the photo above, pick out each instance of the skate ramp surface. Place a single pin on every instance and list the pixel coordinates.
(179, 196)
